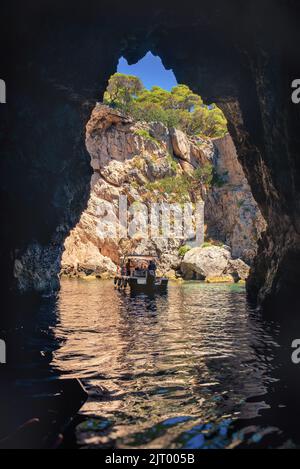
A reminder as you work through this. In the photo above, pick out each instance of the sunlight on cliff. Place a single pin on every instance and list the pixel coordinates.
(156, 143)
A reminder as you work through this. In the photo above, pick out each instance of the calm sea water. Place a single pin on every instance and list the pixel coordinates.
(196, 368)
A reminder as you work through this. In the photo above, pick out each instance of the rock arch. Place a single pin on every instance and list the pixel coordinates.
(59, 57)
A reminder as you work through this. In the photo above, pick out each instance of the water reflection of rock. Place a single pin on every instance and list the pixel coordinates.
(194, 368)
(161, 367)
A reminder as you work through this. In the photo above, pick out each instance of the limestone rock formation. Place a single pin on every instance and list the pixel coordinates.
(84, 258)
(205, 262)
(248, 70)
(238, 269)
(232, 214)
(132, 159)
(126, 157)
(213, 262)
(190, 150)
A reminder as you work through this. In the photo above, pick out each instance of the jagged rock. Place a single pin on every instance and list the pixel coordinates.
(203, 262)
(44, 262)
(126, 156)
(188, 149)
(166, 250)
(158, 169)
(243, 72)
(114, 173)
(214, 265)
(112, 136)
(231, 212)
(85, 258)
(238, 269)
(181, 145)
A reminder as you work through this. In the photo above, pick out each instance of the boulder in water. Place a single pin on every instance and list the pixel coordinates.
(202, 262)
(213, 264)
(238, 269)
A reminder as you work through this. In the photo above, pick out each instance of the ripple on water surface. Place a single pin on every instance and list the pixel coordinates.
(174, 371)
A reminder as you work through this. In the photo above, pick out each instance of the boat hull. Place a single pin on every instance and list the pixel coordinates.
(159, 286)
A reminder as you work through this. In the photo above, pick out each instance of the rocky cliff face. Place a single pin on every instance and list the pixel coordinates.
(147, 163)
(143, 162)
(231, 212)
(52, 86)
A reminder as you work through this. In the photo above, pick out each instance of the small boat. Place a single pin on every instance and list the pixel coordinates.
(136, 274)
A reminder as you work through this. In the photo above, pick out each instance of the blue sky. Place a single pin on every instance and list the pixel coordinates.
(150, 70)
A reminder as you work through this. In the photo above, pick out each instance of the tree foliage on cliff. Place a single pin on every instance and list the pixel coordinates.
(122, 90)
(180, 107)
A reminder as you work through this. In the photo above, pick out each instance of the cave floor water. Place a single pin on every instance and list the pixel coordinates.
(196, 368)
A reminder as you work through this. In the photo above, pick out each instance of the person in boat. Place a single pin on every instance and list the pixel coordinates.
(124, 270)
(152, 268)
(128, 268)
(118, 275)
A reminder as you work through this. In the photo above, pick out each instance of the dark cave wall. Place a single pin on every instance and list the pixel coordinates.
(58, 57)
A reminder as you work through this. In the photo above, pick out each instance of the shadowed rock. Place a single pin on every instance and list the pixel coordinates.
(241, 57)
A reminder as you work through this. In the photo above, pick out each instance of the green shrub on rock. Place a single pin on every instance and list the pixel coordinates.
(180, 107)
(183, 250)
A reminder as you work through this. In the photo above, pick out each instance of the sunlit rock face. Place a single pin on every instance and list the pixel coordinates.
(56, 64)
(126, 157)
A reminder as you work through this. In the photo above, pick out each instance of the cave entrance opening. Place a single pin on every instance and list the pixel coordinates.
(166, 182)
(151, 71)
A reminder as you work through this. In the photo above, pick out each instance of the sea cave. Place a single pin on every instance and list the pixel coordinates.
(68, 151)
